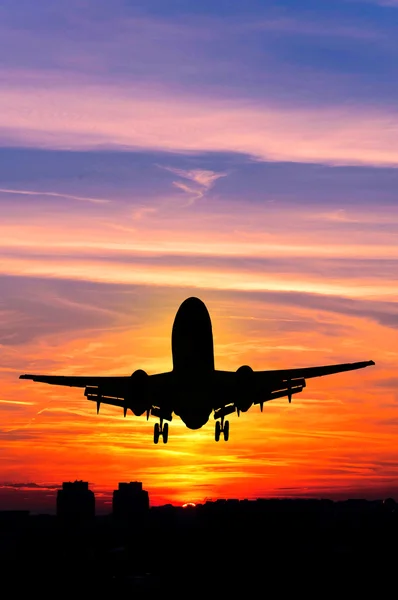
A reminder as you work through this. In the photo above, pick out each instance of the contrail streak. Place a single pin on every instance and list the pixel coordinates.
(54, 195)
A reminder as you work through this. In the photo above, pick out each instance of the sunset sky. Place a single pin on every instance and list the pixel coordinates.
(242, 152)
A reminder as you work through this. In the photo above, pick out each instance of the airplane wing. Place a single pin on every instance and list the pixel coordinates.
(138, 392)
(246, 387)
(78, 381)
(308, 372)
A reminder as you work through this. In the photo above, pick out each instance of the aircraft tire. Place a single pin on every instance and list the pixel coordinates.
(156, 433)
(165, 433)
(218, 431)
(226, 431)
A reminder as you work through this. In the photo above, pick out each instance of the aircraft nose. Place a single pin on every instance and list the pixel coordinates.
(192, 303)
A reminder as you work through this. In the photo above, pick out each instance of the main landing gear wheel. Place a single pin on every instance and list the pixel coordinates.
(218, 431)
(226, 431)
(165, 433)
(156, 433)
(160, 430)
(222, 428)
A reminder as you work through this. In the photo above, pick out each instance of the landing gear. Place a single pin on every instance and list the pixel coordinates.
(218, 431)
(161, 430)
(226, 431)
(222, 427)
(156, 433)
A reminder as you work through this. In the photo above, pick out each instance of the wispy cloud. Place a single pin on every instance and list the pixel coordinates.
(201, 181)
(28, 486)
(17, 402)
(53, 195)
(200, 176)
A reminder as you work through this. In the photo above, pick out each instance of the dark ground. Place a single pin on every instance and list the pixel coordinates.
(260, 548)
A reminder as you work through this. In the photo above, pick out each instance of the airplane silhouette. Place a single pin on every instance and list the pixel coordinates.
(194, 388)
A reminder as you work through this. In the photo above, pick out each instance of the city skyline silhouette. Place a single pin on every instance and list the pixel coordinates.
(116, 552)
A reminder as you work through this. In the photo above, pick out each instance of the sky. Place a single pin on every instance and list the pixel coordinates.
(242, 152)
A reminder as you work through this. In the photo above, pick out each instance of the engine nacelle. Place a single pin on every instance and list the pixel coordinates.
(244, 388)
(138, 399)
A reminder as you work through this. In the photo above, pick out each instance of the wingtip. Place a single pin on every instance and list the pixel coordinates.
(372, 362)
(24, 376)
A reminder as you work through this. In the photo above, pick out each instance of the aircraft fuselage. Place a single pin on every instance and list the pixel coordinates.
(193, 363)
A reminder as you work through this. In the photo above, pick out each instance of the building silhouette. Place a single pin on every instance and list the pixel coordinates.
(75, 502)
(130, 501)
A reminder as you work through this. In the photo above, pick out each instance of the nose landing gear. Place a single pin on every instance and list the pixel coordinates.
(161, 430)
(223, 428)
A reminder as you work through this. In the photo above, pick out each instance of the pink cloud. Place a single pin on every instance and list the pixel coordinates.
(201, 277)
(51, 113)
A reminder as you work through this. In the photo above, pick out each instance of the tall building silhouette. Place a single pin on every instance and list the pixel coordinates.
(130, 500)
(75, 501)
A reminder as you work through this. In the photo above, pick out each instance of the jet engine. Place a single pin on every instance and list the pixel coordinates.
(244, 391)
(138, 399)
